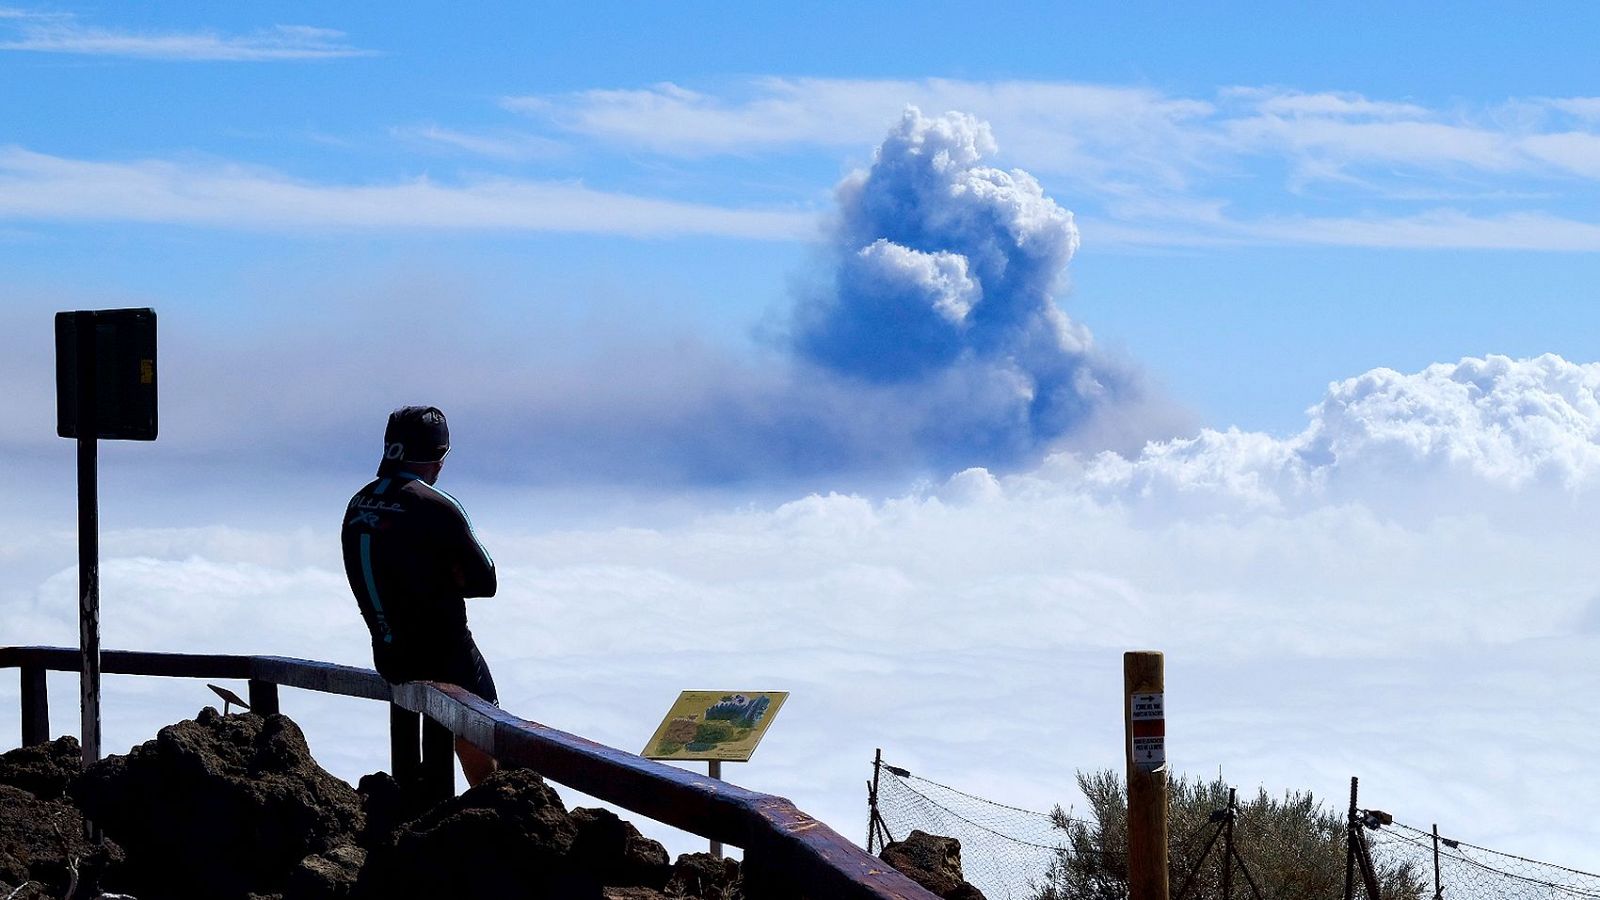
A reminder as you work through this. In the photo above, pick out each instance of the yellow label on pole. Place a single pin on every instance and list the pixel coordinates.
(723, 725)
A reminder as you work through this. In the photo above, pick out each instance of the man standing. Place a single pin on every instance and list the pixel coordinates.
(412, 559)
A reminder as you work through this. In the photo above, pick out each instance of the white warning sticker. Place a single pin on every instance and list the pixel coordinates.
(1147, 706)
(1149, 753)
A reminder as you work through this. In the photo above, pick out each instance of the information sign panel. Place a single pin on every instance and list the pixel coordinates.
(124, 367)
(715, 725)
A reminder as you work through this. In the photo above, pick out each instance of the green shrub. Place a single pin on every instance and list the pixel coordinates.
(1293, 846)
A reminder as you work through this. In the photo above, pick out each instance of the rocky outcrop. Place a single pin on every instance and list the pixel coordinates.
(385, 806)
(44, 770)
(326, 876)
(219, 807)
(43, 848)
(235, 807)
(933, 862)
(614, 853)
(701, 875)
(508, 837)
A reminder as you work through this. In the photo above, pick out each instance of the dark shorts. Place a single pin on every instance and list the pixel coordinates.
(463, 666)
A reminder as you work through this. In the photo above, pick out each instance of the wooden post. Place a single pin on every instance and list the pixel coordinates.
(405, 745)
(88, 425)
(763, 875)
(1144, 720)
(263, 698)
(438, 761)
(35, 706)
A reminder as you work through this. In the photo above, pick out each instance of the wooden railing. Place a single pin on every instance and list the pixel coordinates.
(787, 853)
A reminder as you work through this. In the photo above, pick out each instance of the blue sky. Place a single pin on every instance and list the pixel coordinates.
(642, 255)
(1305, 193)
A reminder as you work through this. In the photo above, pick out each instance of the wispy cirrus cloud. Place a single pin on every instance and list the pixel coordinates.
(1243, 164)
(500, 146)
(40, 187)
(41, 32)
(1049, 127)
(1057, 126)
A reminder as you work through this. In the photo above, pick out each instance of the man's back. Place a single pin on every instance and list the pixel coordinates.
(411, 557)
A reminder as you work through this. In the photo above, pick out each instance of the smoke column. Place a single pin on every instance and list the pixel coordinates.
(945, 273)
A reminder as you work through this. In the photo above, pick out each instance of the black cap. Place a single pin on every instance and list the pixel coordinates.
(415, 434)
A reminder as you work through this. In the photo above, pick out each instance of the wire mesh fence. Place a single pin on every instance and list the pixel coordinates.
(1469, 872)
(1005, 851)
(1281, 849)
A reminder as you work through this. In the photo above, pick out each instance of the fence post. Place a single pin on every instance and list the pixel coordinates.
(35, 706)
(1439, 891)
(1227, 848)
(1143, 710)
(263, 698)
(872, 798)
(438, 761)
(1350, 843)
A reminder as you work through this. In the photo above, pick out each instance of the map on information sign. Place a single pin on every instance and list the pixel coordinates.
(723, 725)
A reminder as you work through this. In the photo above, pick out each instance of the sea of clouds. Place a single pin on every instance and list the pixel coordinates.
(1404, 591)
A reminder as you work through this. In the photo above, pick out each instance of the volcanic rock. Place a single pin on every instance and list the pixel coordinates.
(933, 862)
(615, 853)
(326, 876)
(505, 837)
(701, 876)
(43, 770)
(511, 837)
(219, 807)
(42, 841)
(384, 804)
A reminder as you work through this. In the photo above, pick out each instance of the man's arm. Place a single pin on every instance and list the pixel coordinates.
(475, 568)
(471, 564)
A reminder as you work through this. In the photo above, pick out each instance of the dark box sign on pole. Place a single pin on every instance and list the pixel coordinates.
(125, 373)
(105, 389)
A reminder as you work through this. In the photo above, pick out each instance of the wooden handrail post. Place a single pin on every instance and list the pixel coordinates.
(438, 761)
(1144, 719)
(405, 745)
(35, 706)
(763, 875)
(263, 698)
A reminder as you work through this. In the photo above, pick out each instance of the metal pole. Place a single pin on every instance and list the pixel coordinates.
(1350, 844)
(1144, 720)
(872, 798)
(1227, 849)
(1439, 891)
(714, 769)
(88, 537)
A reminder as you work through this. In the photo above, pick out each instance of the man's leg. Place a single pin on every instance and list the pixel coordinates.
(475, 764)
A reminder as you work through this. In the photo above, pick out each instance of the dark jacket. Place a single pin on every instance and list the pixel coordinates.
(412, 558)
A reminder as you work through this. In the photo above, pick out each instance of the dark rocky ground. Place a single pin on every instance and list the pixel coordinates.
(235, 808)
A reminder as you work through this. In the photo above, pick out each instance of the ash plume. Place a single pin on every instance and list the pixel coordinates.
(945, 273)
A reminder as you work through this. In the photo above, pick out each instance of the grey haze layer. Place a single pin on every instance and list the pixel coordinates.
(927, 341)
